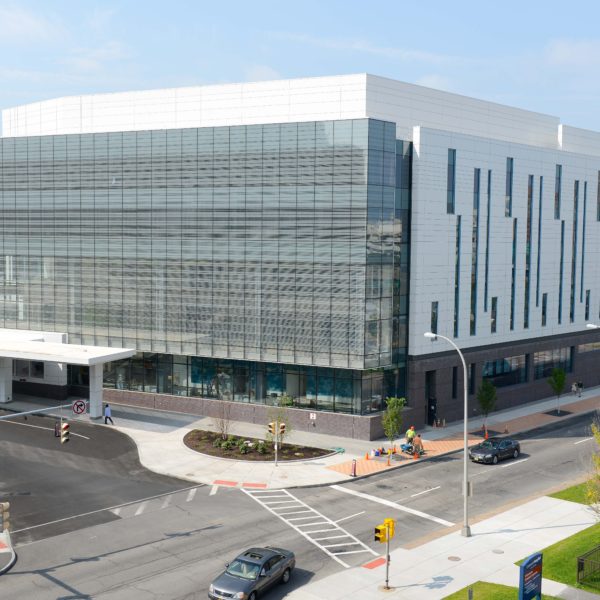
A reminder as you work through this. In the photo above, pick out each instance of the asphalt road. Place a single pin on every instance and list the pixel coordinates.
(170, 547)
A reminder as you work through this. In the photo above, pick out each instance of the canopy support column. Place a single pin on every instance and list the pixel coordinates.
(96, 372)
(5, 380)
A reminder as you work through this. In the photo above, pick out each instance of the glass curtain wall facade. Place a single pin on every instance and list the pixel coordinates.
(266, 259)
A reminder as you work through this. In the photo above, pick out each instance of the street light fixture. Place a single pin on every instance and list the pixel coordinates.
(466, 530)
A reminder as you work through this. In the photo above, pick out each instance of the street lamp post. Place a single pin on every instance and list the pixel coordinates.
(466, 530)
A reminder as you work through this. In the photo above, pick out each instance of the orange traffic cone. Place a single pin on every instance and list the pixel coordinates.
(486, 433)
(366, 456)
(415, 455)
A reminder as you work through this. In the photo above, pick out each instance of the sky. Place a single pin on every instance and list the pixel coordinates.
(541, 56)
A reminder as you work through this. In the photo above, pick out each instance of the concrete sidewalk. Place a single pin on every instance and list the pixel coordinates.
(447, 564)
(159, 438)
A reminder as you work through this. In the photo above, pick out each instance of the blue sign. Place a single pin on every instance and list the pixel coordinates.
(530, 578)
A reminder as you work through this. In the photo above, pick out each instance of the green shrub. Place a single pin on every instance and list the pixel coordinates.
(261, 447)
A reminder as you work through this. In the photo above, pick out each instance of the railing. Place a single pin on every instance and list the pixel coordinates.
(588, 568)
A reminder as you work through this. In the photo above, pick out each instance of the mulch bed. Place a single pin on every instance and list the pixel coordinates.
(204, 442)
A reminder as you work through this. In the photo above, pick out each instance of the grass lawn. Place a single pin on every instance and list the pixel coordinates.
(575, 493)
(491, 591)
(560, 559)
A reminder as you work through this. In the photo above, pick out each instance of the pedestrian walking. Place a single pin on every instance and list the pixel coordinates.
(107, 415)
(574, 388)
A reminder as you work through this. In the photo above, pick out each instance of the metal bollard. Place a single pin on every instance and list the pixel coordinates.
(353, 470)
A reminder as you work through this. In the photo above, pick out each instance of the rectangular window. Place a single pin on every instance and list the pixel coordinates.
(494, 315)
(583, 241)
(561, 270)
(544, 309)
(547, 360)
(471, 378)
(587, 305)
(455, 381)
(528, 251)
(487, 239)
(589, 347)
(513, 276)
(457, 276)
(451, 186)
(557, 188)
(598, 199)
(509, 187)
(574, 252)
(475, 250)
(539, 246)
(503, 372)
(434, 317)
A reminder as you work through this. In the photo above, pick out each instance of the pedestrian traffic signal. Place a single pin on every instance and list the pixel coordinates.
(281, 429)
(64, 433)
(391, 525)
(272, 428)
(381, 534)
(4, 506)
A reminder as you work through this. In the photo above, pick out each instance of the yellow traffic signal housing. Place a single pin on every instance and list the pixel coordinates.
(281, 428)
(381, 534)
(272, 428)
(64, 433)
(4, 506)
(391, 524)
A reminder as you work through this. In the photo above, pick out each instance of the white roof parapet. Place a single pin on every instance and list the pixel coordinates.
(338, 97)
(62, 353)
(581, 141)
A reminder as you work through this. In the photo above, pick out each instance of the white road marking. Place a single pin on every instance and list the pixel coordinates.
(516, 462)
(334, 529)
(354, 515)
(426, 491)
(117, 511)
(586, 440)
(167, 501)
(391, 504)
(213, 490)
(191, 494)
(141, 508)
(46, 428)
(99, 510)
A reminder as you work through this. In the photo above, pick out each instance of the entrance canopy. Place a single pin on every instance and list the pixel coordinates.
(51, 347)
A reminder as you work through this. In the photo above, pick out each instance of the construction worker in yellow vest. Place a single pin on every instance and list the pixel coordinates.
(410, 434)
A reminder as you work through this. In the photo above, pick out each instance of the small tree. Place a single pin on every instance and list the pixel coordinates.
(593, 484)
(486, 396)
(222, 421)
(392, 418)
(557, 382)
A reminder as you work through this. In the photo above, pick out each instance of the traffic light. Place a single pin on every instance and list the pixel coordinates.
(272, 428)
(381, 534)
(4, 506)
(281, 429)
(64, 433)
(391, 523)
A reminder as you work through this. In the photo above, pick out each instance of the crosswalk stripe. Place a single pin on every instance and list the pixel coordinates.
(191, 494)
(141, 508)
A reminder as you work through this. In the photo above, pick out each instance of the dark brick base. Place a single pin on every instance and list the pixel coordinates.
(346, 426)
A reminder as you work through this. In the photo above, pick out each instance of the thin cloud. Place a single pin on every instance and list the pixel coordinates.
(95, 59)
(573, 54)
(22, 25)
(366, 47)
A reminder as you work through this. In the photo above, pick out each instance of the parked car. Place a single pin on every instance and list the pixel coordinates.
(252, 573)
(495, 449)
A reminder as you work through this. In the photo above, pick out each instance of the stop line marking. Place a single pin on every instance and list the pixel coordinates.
(391, 504)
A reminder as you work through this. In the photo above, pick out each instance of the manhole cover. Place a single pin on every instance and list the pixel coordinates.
(498, 551)
(454, 558)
